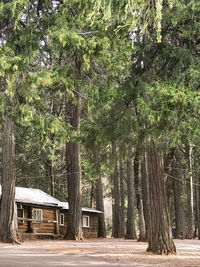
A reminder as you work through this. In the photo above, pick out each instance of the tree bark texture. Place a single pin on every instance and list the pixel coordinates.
(198, 208)
(160, 239)
(116, 199)
(142, 230)
(122, 198)
(100, 206)
(130, 223)
(145, 192)
(178, 200)
(50, 174)
(189, 190)
(8, 213)
(74, 225)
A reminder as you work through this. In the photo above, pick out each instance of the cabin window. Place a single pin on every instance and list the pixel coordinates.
(37, 214)
(62, 219)
(86, 221)
(20, 214)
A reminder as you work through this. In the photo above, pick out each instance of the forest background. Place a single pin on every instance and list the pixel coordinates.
(94, 90)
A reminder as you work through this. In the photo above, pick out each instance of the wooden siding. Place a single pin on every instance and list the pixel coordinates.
(92, 230)
(47, 225)
(88, 232)
(23, 227)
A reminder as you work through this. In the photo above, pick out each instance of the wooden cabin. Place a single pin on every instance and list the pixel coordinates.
(89, 220)
(41, 215)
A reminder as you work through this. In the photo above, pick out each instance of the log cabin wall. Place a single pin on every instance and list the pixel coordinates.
(92, 230)
(23, 224)
(63, 228)
(47, 225)
(88, 232)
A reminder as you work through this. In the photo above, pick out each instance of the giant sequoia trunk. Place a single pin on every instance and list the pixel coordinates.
(74, 225)
(100, 206)
(142, 230)
(8, 213)
(130, 223)
(160, 239)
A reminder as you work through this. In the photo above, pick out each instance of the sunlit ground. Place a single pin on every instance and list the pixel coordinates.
(123, 252)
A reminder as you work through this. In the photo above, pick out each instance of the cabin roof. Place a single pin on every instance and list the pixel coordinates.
(65, 206)
(39, 197)
(34, 196)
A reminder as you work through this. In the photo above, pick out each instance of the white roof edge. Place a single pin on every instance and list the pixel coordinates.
(39, 197)
(65, 206)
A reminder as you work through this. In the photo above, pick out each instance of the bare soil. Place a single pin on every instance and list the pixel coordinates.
(113, 252)
(128, 252)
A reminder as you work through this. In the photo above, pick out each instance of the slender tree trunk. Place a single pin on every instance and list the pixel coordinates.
(100, 206)
(145, 193)
(92, 196)
(160, 239)
(122, 198)
(130, 223)
(50, 174)
(142, 230)
(189, 191)
(197, 189)
(74, 225)
(117, 212)
(198, 210)
(178, 201)
(8, 213)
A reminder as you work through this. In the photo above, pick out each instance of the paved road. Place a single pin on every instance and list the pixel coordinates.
(19, 256)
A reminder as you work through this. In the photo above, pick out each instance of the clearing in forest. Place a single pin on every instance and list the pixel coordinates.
(110, 252)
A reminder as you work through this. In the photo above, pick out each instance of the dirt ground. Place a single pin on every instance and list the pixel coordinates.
(111, 252)
(125, 252)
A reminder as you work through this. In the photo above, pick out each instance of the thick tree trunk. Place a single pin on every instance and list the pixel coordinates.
(74, 225)
(160, 239)
(116, 199)
(100, 206)
(142, 230)
(189, 191)
(122, 198)
(8, 213)
(130, 223)
(178, 201)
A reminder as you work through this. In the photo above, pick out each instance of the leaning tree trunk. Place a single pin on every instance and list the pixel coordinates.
(100, 206)
(142, 230)
(130, 223)
(8, 213)
(74, 225)
(160, 239)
